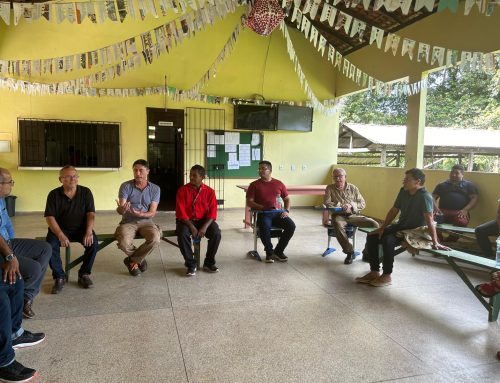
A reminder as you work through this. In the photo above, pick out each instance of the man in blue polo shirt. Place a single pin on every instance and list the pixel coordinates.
(455, 198)
(27, 256)
(137, 202)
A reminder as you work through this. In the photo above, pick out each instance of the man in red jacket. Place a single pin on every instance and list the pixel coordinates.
(196, 212)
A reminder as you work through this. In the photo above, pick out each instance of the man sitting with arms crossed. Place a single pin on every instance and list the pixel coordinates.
(70, 213)
(416, 207)
(346, 196)
(196, 212)
(29, 256)
(455, 198)
(137, 202)
(261, 195)
(12, 335)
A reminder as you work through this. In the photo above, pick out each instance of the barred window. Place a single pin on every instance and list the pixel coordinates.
(55, 143)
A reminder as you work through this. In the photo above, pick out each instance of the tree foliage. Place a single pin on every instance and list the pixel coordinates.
(454, 99)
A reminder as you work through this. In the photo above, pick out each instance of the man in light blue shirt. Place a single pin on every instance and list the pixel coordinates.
(28, 258)
(137, 202)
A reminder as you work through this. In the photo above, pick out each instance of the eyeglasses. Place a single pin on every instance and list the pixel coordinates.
(11, 182)
(70, 177)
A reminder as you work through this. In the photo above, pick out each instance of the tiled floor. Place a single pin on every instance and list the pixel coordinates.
(303, 321)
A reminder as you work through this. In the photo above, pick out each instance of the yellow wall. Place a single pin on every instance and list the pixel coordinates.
(380, 186)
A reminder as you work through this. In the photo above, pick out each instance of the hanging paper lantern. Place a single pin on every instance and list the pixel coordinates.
(265, 16)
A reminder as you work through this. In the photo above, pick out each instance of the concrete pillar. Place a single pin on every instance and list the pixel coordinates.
(470, 165)
(383, 157)
(415, 126)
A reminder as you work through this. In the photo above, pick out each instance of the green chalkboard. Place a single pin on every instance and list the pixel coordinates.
(233, 154)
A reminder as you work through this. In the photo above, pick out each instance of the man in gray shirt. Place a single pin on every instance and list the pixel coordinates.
(137, 203)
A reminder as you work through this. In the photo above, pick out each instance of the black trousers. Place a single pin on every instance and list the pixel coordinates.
(389, 242)
(483, 232)
(213, 235)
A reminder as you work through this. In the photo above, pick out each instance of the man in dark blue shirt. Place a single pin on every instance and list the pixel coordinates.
(70, 212)
(455, 198)
(416, 206)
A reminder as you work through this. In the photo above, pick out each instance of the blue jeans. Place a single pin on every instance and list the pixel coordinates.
(11, 316)
(73, 236)
(265, 221)
(33, 257)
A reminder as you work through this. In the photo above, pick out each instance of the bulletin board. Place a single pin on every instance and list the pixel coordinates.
(233, 154)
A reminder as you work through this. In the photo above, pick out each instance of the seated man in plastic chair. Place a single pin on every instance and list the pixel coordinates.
(196, 212)
(262, 195)
(347, 197)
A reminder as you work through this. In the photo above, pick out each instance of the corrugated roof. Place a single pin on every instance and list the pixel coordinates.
(434, 136)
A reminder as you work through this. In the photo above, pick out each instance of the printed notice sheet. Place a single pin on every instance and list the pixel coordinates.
(230, 148)
(255, 154)
(211, 152)
(255, 139)
(232, 162)
(244, 154)
(232, 138)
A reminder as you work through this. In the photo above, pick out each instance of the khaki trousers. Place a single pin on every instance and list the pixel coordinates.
(340, 221)
(126, 232)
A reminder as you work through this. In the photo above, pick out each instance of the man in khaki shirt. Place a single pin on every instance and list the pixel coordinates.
(346, 196)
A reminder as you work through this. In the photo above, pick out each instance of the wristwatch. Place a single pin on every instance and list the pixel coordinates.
(9, 257)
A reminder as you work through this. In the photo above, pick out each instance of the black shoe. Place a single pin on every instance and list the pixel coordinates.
(16, 372)
(58, 285)
(143, 266)
(280, 257)
(210, 269)
(133, 268)
(28, 312)
(191, 271)
(348, 260)
(269, 258)
(85, 281)
(28, 339)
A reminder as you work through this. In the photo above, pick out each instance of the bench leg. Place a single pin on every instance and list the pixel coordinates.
(67, 266)
(196, 253)
(495, 308)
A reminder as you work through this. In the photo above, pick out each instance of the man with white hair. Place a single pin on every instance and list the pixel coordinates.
(346, 196)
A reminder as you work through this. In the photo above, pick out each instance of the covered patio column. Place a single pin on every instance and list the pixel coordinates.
(415, 126)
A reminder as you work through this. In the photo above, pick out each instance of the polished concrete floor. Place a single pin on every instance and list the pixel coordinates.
(302, 321)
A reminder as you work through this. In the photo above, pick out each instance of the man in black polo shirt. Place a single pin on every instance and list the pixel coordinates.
(69, 212)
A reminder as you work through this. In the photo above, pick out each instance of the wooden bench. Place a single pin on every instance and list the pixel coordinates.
(452, 257)
(106, 239)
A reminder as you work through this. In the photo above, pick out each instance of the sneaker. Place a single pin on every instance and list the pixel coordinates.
(85, 281)
(133, 268)
(143, 266)
(28, 339)
(210, 269)
(280, 257)
(16, 372)
(191, 271)
(28, 312)
(58, 285)
(349, 258)
(269, 258)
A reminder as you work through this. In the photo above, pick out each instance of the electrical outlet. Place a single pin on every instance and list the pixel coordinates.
(304, 167)
(282, 167)
(293, 168)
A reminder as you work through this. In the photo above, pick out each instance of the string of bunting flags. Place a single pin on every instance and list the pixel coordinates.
(484, 7)
(327, 107)
(364, 80)
(127, 54)
(85, 86)
(97, 11)
(432, 55)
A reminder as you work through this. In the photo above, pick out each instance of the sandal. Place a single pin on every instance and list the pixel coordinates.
(488, 289)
